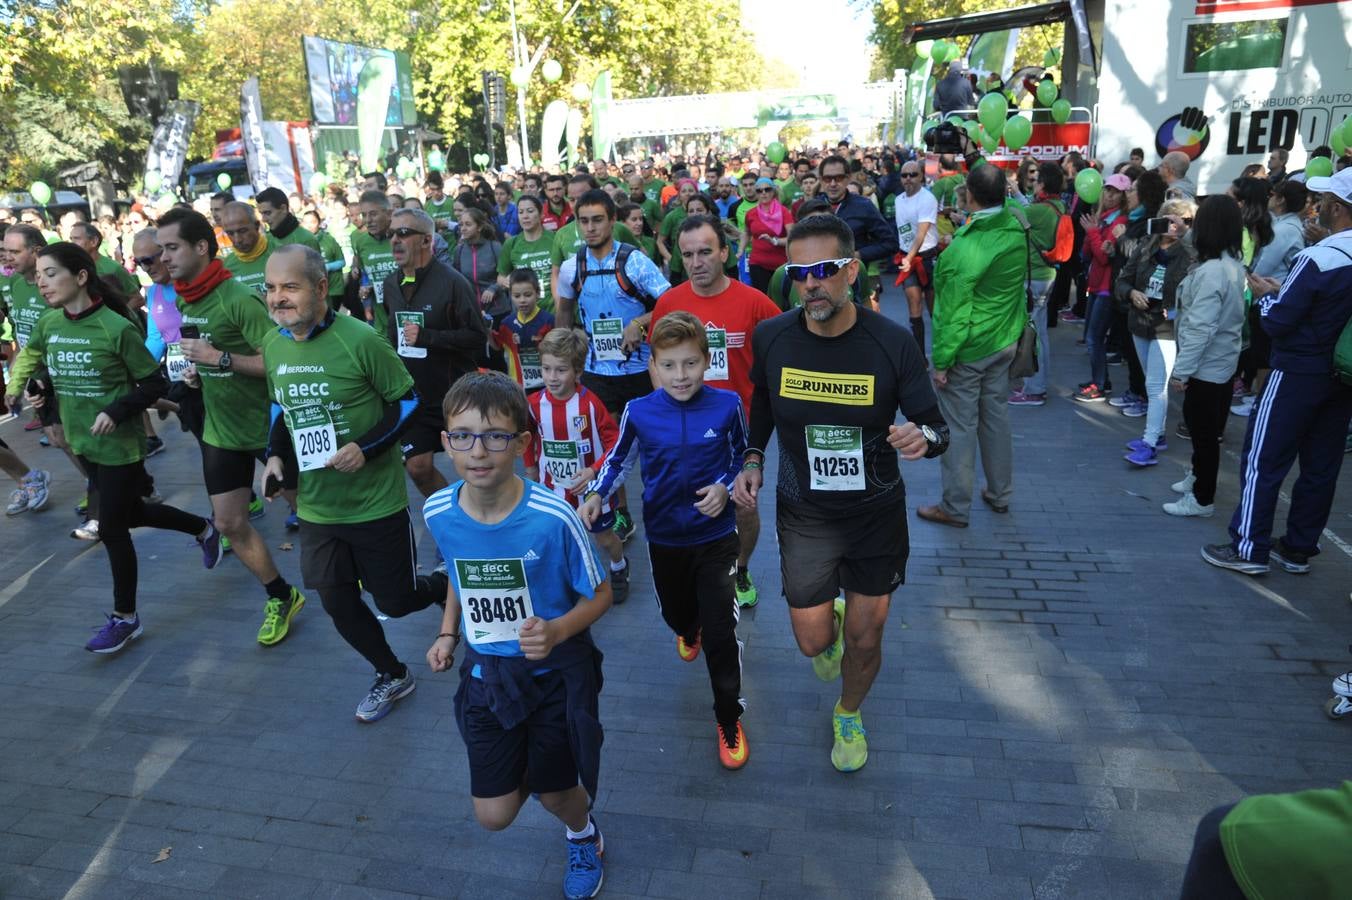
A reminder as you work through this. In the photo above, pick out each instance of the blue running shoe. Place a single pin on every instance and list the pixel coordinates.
(212, 547)
(293, 521)
(115, 635)
(585, 872)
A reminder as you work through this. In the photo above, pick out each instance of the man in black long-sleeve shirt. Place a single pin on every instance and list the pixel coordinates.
(438, 331)
(875, 239)
(830, 378)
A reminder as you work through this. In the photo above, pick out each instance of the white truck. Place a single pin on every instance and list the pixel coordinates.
(1225, 81)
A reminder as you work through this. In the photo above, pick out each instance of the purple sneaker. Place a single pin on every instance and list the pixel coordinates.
(1019, 398)
(1160, 446)
(1135, 410)
(1143, 456)
(115, 635)
(212, 551)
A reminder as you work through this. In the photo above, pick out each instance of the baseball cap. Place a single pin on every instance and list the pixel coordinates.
(1338, 184)
(1118, 181)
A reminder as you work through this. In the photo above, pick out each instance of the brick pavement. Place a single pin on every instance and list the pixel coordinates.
(1065, 690)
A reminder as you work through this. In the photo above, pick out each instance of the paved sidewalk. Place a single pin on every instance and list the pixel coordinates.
(1065, 690)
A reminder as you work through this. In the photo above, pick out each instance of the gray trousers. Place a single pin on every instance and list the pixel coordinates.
(974, 405)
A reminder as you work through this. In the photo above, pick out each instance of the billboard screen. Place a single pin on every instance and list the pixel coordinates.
(334, 70)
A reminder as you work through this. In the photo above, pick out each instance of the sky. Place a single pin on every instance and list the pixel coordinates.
(786, 30)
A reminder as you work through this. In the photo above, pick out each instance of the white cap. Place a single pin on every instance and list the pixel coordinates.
(1339, 184)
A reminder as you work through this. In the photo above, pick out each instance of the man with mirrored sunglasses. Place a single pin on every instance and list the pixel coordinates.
(830, 377)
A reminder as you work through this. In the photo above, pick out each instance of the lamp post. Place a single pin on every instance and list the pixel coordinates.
(523, 65)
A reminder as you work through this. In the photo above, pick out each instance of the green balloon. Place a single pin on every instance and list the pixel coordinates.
(991, 112)
(1061, 111)
(1089, 185)
(1051, 58)
(519, 78)
(988, 141)
(956, 119)
(153, 181)
(41, 192)
(1318, 167)
(1337, 143)
(939, 51)
(552, 70)
(973, 129)
(223, 181)
(923, 49)
(1047, 93)
(1347, 131)
(776, 152)
(1017, 132)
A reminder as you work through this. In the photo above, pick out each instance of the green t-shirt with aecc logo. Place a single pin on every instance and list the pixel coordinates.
(250, 274)
(339, 379)
(519, 253)
(231, 318)
(25, 305)
(94, 360)
(376, 259)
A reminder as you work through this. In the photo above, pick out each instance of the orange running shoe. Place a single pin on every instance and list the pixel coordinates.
(732, 749)
(688, 652)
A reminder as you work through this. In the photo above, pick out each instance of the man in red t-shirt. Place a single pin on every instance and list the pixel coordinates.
(730, 311)
(557, 212)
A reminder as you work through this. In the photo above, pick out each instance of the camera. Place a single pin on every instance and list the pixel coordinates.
(944, 138)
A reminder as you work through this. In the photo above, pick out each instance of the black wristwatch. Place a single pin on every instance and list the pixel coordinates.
(937, 440)
(225, 361)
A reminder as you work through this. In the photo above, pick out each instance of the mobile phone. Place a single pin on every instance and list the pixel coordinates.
(190, 332)
(1157, 226)
(272, 486)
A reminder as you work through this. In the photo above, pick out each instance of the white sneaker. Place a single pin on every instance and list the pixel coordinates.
(89, 531)
(1242, 406)
(1187, 505)
(1184, 486)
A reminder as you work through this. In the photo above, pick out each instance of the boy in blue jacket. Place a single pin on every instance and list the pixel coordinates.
(692, 439)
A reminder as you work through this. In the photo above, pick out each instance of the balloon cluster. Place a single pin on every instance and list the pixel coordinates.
(481, 159)
(940, 51)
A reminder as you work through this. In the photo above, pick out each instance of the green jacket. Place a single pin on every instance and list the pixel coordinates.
(980, 306)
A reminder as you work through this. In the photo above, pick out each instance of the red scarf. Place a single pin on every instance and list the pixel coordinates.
(212, 277)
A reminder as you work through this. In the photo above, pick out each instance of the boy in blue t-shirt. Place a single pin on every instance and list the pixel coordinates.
(692, 438)
(525, 587)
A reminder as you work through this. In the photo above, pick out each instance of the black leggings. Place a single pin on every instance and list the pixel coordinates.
(696, 595)
(1206, 405)
(760, 278)
(359, 626)
(121, 508)
(1208, 876)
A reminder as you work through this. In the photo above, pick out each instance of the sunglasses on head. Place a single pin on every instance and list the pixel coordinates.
(409, 232)
(826, 268)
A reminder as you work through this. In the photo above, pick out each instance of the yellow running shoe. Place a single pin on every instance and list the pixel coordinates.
(688, 652)
(277, 616)
(827, 663)
(850, 751)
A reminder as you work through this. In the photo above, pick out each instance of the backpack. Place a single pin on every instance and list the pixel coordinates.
(1063, 248)
(622, 253)
(1342, 351)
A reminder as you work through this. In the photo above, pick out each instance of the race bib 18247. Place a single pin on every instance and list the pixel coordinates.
(718, 355)
(835, 458)
(607, 339)
(561, 461)
(494, 598)
(313, 435)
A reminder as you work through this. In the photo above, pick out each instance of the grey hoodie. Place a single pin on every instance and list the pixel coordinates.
(1288, 239)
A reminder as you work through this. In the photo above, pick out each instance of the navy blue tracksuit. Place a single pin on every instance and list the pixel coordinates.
(1304, 411)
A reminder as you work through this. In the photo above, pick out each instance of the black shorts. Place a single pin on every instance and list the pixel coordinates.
(536, 751)
(614, 391)
(821, 554)
(423, 434)
(376, 553)
(230, 470)
(923, 263)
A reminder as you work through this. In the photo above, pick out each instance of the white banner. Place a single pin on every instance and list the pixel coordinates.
(169, 145)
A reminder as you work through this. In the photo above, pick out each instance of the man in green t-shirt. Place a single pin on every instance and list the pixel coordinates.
(652, 185)
(334, 260)
(373, 257)
(251, 247)
(342, 398)
(436, 204)
(283, 226)
(87, 237)
(223, 324)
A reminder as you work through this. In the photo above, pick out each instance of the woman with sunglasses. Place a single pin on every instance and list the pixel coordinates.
(105, 378)
(766, 233)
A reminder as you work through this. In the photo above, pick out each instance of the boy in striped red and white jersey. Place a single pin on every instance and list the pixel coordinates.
(573, 436)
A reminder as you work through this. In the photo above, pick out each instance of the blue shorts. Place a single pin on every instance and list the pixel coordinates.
(536, 752)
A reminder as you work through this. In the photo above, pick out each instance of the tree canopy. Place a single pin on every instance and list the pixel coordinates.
(60, 101)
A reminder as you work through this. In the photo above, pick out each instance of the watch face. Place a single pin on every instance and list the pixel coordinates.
(929, 434)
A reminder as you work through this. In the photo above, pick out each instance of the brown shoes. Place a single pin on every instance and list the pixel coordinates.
(989, 499)
(937, 515)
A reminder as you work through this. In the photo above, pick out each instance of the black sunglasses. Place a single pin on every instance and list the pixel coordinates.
(146, 262)
(410, 232)
(910, 174)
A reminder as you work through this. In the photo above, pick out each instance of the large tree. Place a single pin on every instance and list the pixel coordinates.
(891, 17)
